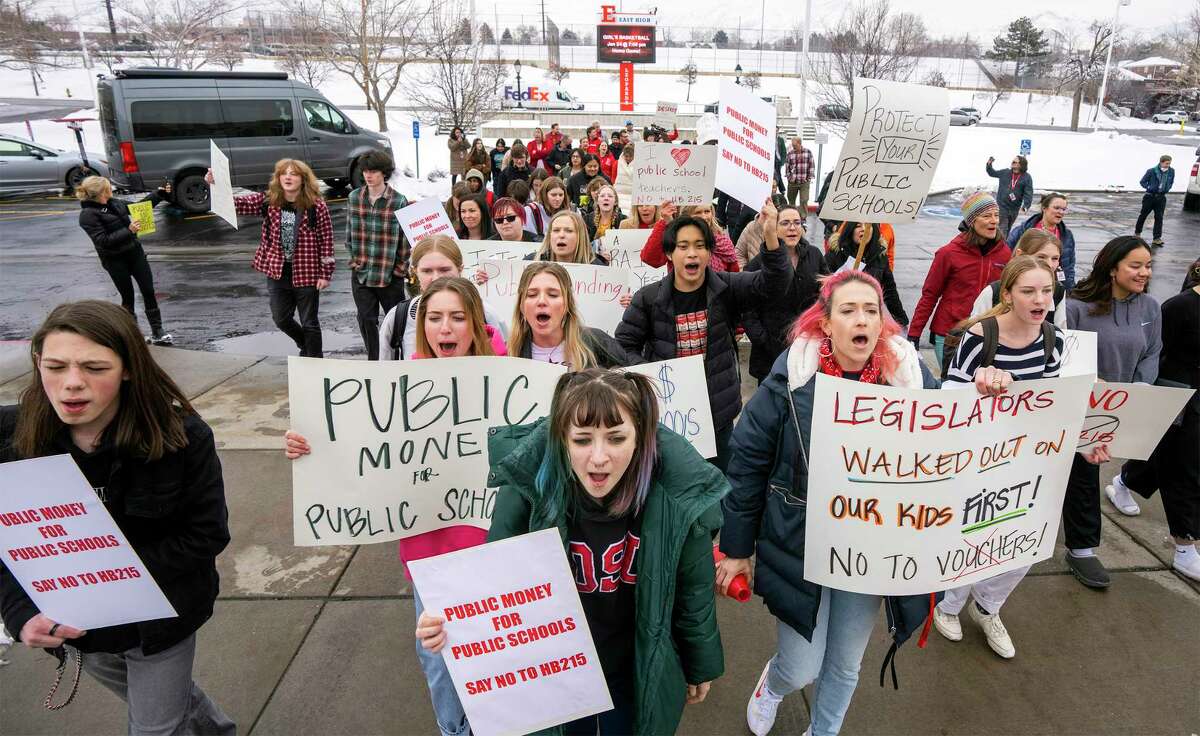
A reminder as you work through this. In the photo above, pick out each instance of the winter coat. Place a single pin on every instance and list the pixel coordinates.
(1011, 197)
(172, 511)
(312, 258)
(498, 155)
(724, 257)
(480, 160)
(578, 183)
(608, 352)
(507, 175)
(959, 272)
(887, 237)
(1067, 263)
(558, 161)
(1156, 181)
(538, 152)
(108, 224)
(875, 265)
(769, 469)
(648, 327)
(589, 219)
(676, 639)
(768, 326)
(608, 166)
(458, 156)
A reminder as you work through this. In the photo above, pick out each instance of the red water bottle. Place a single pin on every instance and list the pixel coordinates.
(739, 587)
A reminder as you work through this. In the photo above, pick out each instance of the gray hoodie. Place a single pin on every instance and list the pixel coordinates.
(1128, 338)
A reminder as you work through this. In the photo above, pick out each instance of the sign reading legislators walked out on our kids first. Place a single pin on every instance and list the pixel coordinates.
(925, 490)
(896, 136)
(518, 646)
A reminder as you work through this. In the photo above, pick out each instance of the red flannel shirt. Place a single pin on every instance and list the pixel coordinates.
(313, 257)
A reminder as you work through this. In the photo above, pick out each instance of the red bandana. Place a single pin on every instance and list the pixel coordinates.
(829, 365)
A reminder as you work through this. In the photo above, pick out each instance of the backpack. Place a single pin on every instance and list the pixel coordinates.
(991, 340)
(399, 323)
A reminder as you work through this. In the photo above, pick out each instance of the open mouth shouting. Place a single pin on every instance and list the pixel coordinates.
(447, 349)
(598, 481)
(542, 319)
(861, 341)
(692, 269)
(1037, 314)
(75, 407)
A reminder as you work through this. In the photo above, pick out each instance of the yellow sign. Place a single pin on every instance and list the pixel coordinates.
(143, 213)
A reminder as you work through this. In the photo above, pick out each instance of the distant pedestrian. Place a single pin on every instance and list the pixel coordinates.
(1157, 181)
(498, 153)
(801, 170)
(458, 146)
(1015, 193)
(377, 245)
(478, 158)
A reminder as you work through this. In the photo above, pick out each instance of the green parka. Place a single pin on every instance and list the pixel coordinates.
(676, 641)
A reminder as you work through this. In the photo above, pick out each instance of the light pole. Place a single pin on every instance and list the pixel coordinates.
(520, 91)
(737, 71)
(1112, 39)
(804, 66)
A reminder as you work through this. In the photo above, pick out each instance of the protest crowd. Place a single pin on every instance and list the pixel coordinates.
(640, 512)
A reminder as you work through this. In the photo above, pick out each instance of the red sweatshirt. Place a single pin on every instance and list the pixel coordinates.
(959, 272)
(724, 255)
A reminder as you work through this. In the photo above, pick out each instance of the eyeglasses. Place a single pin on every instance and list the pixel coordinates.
(506, 219)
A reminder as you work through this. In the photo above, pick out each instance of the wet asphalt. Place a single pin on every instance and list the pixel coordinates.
(211, 299)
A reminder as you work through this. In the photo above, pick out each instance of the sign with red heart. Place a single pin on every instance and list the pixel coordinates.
(666, 172)
(681, 155)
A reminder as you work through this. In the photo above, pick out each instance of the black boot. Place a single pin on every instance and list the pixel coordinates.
(158, 336)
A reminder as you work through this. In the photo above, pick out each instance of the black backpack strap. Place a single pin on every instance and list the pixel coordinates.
(1049, 338)
(991, 340)
(996, 293)
(399, 323)
(1059, 292)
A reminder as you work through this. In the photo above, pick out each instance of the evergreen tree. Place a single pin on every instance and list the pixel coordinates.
(721, 39)
(1024, 44)
(486, 37)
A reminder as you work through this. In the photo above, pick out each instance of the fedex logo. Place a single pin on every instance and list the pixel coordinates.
(530, 94)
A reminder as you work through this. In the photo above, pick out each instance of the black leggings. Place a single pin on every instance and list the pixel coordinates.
(124, 269)
(1173, 469)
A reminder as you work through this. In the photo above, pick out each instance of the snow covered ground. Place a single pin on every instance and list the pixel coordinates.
(1103, 160)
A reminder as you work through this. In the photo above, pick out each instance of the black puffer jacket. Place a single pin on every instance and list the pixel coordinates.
(108, 224)
(648, 327)
(608, 351)
(767, 328)
(172, 511)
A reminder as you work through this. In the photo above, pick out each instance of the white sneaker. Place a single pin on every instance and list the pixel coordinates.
(1120, 497)
(947, 624)
(1187, 565)
(997, 636)
(763, 706)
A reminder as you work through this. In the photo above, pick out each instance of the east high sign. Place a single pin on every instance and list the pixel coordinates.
(610, 16)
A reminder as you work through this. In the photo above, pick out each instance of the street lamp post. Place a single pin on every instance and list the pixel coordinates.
(737, 70)
(1112, 39)
(520, 92)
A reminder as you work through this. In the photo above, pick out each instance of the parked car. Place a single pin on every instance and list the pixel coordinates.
(157, 124)
(969, 112)
(973, 111)
(961, 117)
(1170, 116)
(833, 112)
(1191, 198)
(26, 166)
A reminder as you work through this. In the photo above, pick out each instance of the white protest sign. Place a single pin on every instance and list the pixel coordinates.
(625, 249)
(746, 148)
(501, 250)
(681, 174)
(683, 405)
(598, 289)
(925, 490)
(518, 646)
(220, 192)
(896, 136)
(1079, 353)
(666, 114)
(424, 218)
(400, 448)
(1130, 417)
(68, 554)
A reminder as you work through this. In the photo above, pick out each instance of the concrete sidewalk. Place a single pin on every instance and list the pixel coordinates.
(318, 640)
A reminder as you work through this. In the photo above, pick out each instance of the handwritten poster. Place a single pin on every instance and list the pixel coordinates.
(598, 290)
(68, 554)
(400, 449)
(474, 250)
(143, 214)
(666, 114)
(925, 490)
(625, 248)
(427, 217)
(667, 172)
(683, 405)
(896, 136)
(1079, 353)
(746, 148)
(518, 646)
(1130, 417)
(220, 192)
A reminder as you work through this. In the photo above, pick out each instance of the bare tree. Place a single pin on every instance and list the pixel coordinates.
(371, 41)
(752, 80)
(1083, 68)
(227, 52)
(873, 42)
(304, 59)
(688, 75)
(558, 73)
(26, 41)
(456, 84)
(180, 33)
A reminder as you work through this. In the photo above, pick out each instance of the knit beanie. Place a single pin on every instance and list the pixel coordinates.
(975, 205)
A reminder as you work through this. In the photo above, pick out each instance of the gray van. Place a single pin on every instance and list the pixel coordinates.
(157, 122)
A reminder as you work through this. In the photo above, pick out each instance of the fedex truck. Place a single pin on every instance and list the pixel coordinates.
(540, 96)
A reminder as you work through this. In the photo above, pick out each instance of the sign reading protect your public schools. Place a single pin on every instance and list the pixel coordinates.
(895, 139)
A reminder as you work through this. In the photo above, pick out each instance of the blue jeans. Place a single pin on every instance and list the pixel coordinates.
(831, 659)
(451, 719)
(939, 347)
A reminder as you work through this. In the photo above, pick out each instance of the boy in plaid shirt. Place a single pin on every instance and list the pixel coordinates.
(378, 249)
(801, 170)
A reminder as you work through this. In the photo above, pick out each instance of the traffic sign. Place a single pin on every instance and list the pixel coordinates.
(416, 129)
(1026, 146)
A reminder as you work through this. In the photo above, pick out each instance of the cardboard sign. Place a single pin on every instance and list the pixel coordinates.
(666, 114)
(1130, 417)
(1079, 353)
(143, 214)
(68, 554)
(925, 490)
(681, 174)
(501, 250)
(683, 405)
(427, 217)
(746, 148)
(400, 448)
(220, 192)
(518, 646)
(598, 289)
(895, 139)
(625, 249)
